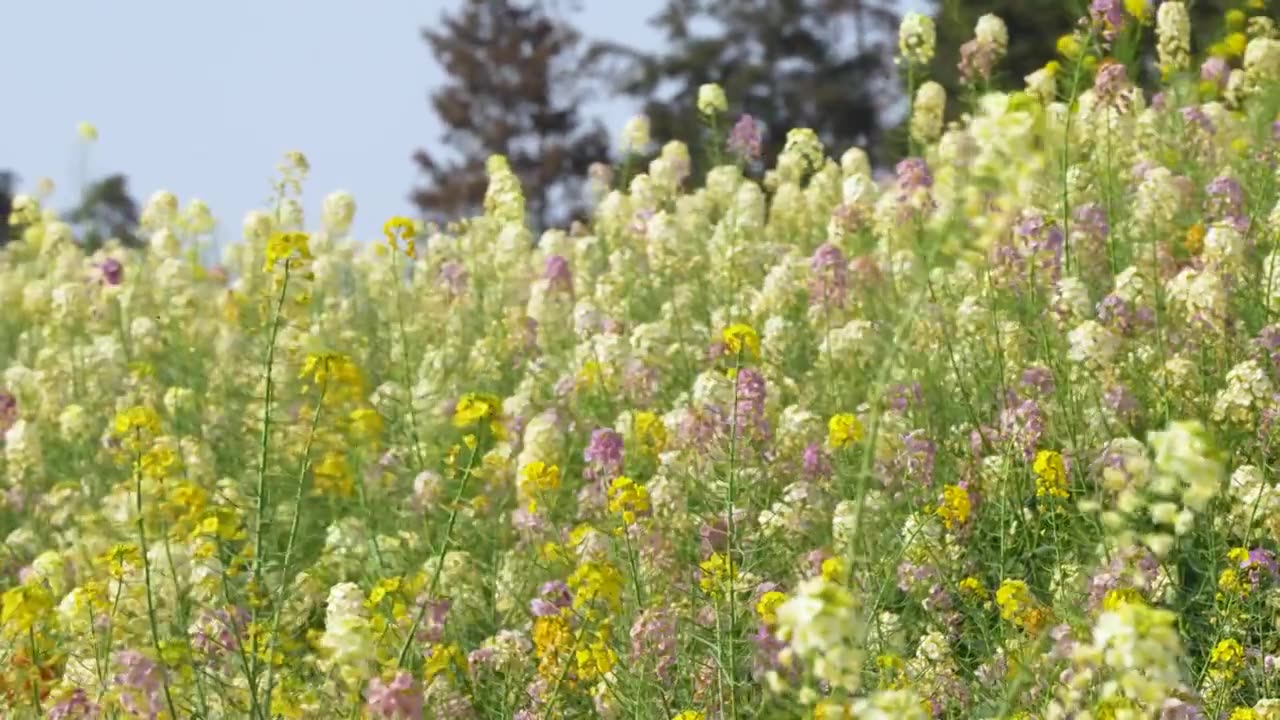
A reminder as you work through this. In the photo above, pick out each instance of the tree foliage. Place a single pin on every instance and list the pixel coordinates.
(106, 211)
(1034, 28)
(7, 182)
(822, 64)
(514, 88)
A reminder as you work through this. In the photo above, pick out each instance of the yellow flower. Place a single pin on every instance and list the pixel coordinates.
(741, 339)
(1012, 598)
(1226, 659)
(159, 462)
(893, 671)
(717, 571)
(338, 376)
(401, 228)
(972, 587)
(552, 639)
(1139, 9)
(1244, 713)
(541, 476)
(1236, 19)
(1069, 46)
(1236, 43)
(475, 407)
(366, 423)
(595, 659)
(1018, 606)
(628, 499)
(444, 659)
(1194, 241)
(137, 420)
(843, 430)
(383, 588)
(21, 607)
(286, 246)
(1051, 474)
(1229, 580)
(649, 431)
(690, 715)
(594, 581)
(955, 507)
(590, 375)
(332, 477)
(832, 570)
(1120, 596)
(767, 607)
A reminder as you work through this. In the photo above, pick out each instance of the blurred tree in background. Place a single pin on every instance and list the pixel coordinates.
(519, 76)
(515, 87)
(1035, 26)
(106, 211)
(8, 182)
(823, 64)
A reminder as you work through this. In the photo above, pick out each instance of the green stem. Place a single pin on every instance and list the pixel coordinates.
(264, 447)
(294, 522)
(444, 547)
(146, 570)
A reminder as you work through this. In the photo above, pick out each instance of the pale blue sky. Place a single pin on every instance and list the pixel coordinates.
(203, 98)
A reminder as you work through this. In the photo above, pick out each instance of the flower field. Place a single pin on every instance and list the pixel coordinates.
(991, 437)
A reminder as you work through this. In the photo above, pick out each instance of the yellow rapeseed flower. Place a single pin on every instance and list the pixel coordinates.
(767, 607)
(552, 640)
(832, 570)
(972, 587)
(1226, 659)
(593, 581)
(843, 430)
(741, 339)
(1120, 596)
(399, 229)
(649, 431)
(1194, 240)
(1236, 43)
(596, 659)
(1139, 9)
(136, 420)
(717, 571)
(22, 607)
(1069, 46)
(541, 476)
(1051, 474)
(473, 408)
(955, 506)
(286, 246)
(366, 423)
(628, 499)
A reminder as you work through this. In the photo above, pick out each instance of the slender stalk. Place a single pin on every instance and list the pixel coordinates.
(264, 444)
(444, 547)
(405, 369)
(264, 449)
(294, 522)
(146, 571)
(729, 499)
(35, 666)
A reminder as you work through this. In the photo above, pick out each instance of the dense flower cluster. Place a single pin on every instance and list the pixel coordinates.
(989, 437)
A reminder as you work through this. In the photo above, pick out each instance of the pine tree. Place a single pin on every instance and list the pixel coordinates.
(514, 89)
(822, 64)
